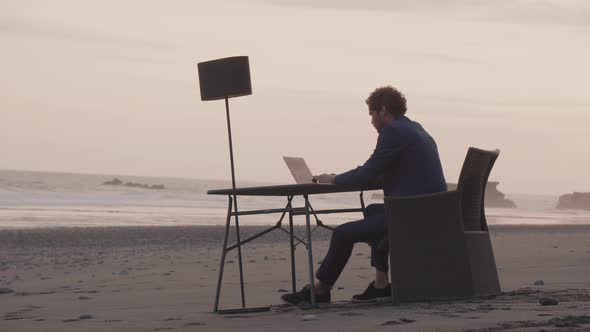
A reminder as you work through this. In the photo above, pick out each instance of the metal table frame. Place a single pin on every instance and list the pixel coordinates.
(288, 191)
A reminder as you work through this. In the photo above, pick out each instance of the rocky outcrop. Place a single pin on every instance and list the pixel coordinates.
(117, 182)
(113, 182)
(574, 200)
(494, 198)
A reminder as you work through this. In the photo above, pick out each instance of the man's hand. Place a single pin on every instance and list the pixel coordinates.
(324, 178)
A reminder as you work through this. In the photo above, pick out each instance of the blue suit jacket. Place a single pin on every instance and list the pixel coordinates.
(405, 162)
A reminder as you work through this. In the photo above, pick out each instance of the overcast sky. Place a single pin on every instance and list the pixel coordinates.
(111, 86)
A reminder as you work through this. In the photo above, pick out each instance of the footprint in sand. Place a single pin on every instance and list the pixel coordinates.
(401, 321)
(391, 322)
(6, 291)
(13, 316)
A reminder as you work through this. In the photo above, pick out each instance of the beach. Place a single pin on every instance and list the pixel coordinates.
(163, 278)
(135, 130)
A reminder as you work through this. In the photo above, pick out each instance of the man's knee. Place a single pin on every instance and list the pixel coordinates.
(373, 209)
(342, 232)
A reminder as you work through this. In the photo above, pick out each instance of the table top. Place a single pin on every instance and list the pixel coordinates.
(293, 189)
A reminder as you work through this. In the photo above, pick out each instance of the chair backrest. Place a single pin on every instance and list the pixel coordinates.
(472, 186)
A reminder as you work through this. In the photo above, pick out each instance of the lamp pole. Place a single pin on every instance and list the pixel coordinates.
(233, 183)
(222, 79)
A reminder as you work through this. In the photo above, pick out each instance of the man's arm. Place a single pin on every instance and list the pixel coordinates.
(387, 151)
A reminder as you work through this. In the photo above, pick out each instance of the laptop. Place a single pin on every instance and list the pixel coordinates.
(299, 169)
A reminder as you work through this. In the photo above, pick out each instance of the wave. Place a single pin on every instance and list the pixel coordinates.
(39, 199)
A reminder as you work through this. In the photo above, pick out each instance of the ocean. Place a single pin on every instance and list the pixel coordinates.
(47, 199)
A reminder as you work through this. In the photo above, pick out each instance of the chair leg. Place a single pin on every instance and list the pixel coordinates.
(484, 274)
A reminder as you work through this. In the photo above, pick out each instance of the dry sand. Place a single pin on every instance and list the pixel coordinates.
(163, 278)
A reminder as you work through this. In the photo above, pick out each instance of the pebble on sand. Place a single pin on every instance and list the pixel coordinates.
(310, 317)
(548, 301)
(539, 282)
(6, 291)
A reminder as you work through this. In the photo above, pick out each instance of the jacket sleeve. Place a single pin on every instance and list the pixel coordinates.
(386, 153)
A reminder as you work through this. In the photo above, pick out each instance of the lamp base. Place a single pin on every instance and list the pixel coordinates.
(243, 310)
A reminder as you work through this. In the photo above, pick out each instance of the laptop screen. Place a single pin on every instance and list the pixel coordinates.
(299, 169)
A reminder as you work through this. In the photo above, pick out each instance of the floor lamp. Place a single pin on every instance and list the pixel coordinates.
(223, 79)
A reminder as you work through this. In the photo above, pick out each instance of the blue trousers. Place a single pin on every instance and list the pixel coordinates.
(372, 230)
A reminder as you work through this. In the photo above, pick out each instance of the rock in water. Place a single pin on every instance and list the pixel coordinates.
(539, 282)
(548, 301)
(118, 182)
(6, 291)
(576, 200)
(310, 317)
(113, 182)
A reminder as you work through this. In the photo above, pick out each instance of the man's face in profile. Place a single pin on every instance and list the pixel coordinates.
(377, 119)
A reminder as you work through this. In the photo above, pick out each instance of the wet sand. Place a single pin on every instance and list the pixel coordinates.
(163, 278)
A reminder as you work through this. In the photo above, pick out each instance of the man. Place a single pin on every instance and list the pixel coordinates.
(406, 162)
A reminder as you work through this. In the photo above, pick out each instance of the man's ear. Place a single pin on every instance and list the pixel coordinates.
(386, 115)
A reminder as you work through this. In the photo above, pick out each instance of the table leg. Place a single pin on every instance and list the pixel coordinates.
(292, 240)
(223, 253)
(309, 251)
(362, 201)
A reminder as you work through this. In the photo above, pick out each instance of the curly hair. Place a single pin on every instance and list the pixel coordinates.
(388, 96)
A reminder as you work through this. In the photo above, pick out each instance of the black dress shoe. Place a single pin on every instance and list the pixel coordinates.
(372, 294)
(304, 296)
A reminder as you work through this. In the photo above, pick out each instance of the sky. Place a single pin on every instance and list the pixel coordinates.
(111, 87)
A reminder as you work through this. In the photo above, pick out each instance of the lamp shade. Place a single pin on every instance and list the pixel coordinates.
(227, 77)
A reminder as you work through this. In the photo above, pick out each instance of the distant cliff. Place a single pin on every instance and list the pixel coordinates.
(575, 200)
(494, 198)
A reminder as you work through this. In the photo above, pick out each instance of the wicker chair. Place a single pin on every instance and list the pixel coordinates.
(439, 244)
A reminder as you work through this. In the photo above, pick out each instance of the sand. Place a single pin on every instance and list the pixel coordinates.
(163, 278)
